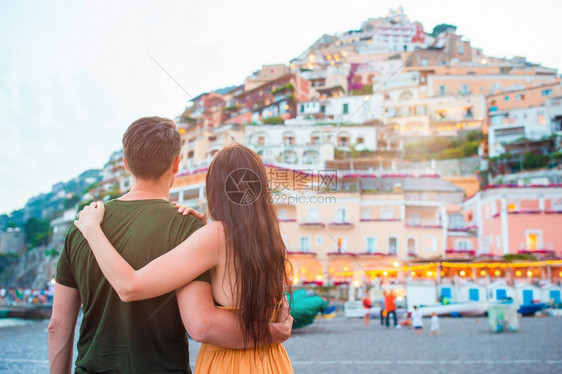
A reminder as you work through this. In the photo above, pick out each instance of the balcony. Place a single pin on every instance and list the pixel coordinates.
(340, 251)
(380, 220)
(341, 224)
(287, 219)
(463, 229)
(536, 251)
(301, 252)
(422, 226)
(312, 224)
(467, 252)
(528, 211)
(417, 222)
(364, 252)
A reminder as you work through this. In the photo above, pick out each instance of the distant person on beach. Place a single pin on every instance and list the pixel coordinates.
(382, 312)
(417, 321)
(434, 327)
(241, 251)
(390, 308)
(146, 336)
(367, 305)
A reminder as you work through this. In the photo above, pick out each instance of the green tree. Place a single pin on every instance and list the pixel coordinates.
(37, 231)
(532, 161)
(442, 28)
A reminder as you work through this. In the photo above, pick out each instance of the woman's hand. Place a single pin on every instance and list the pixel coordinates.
(187, 210)
(90, 218)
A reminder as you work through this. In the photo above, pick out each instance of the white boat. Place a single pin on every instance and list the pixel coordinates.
(469, 308)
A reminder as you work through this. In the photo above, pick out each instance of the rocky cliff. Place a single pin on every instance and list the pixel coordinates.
(34, 269)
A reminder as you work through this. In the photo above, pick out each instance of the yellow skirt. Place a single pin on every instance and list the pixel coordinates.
(271, 359)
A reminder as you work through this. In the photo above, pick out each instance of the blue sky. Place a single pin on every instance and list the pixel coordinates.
(75, 74)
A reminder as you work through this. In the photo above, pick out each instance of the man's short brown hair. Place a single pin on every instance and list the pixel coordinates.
(150, 145)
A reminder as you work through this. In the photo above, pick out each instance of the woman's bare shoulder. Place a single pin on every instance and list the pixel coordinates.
(213, 231)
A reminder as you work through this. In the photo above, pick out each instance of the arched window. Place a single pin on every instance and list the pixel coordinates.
(406, 95)
(411, 245)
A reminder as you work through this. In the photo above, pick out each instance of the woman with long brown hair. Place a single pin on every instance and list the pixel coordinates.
(242, 250)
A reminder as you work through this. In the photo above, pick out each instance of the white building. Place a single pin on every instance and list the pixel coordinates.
(393, 33)
(348, 110)
(507, 126)
(307, 145)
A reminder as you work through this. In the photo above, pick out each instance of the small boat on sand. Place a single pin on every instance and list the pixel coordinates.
(465, 309)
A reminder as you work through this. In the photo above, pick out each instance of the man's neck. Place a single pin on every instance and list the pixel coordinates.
(147, 190)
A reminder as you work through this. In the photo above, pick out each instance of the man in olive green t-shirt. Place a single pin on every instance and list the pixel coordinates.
(145, 336)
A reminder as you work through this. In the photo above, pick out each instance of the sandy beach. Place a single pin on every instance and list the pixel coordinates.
(340, 345)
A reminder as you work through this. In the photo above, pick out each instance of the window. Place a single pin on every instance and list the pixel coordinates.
(360, 140)
(442, 91)
(302, 108)
(462, 244)
(345, 108)
(343, 141)
(411, 245)
(323, 108)
(512, 207)
(371, 244)
(486, 244)
(392, 245)
(282, 213)
(533, 239)
(429, 244)
(460, 50)
(424, 62)
(456, 221)
(341, 215)
(546, 92)
(443, 62)
(261, 140)
(305, 244)
(520, 97)
(556, 204)
(387, 213)
(414, 219)
(465, 90)
(312, 215)
(365, 213)
(174, 196)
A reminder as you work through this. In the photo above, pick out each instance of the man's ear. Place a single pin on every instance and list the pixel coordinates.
(176, 164)
(126, 166)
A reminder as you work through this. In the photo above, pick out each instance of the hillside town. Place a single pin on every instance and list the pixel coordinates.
(395, 155)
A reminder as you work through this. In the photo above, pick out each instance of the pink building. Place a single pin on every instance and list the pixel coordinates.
(512, 219)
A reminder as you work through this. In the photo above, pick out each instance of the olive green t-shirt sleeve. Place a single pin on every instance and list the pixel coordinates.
(65, 275)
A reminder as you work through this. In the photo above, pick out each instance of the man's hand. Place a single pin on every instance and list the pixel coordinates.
(283, 326)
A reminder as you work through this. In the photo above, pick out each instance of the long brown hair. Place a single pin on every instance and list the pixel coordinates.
(238, 196)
